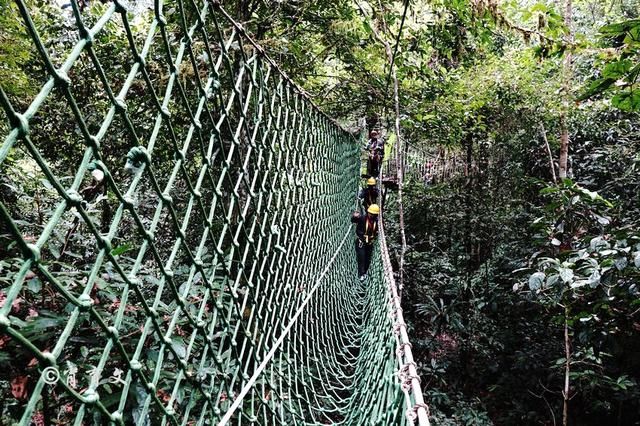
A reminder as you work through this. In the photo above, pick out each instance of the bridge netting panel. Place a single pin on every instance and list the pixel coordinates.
(176, 245)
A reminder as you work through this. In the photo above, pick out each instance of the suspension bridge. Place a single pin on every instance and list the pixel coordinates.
(197, 259)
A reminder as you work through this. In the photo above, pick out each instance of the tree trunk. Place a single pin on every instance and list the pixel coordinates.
(469, 191)
(546, 143)
(400, 157)
(567, 369)
(398, 150)
(566, 88)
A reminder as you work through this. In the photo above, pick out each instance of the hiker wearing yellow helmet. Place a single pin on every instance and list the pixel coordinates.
(369, 195)
(366, 233)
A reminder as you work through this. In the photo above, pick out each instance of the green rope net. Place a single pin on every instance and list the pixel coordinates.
(195, 265)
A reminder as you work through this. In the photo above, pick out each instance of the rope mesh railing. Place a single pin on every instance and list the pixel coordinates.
(408, 370)
(195, 264)
(425, 167)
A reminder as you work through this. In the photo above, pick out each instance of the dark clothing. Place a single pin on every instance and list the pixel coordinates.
(375, 147)
(366, 228)
(368, 195)
(363, 256)
(366, 233)
(373, 164)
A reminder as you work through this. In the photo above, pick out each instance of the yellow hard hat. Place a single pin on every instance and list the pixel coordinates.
(374, 209)
(371, 181)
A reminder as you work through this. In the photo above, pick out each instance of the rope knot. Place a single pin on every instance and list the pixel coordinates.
(136, 158)
(412, 413)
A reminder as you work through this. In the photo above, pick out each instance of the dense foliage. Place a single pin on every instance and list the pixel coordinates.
(521, 288)
(40, 311)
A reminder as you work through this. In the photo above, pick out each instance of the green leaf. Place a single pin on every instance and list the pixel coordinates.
(633, 74)
(594, 196)
(621, 263)
(536, 280)
(367, 26)
(121, 249)
(594, 279)
(566, 274)
(596, 87)
(617, 69)
(553, 280)
(539, 7)
(633, 35)
(179, 346)
(628, 100)
(140, 394)
(549, 190)
(47, 184)
(599, 243)
(53, 250)
(578, 283)
(620, 27)
(34, 285)
(602, 220)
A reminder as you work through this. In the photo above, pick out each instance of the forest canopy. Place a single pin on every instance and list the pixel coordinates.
(521, 272)
(521, 269)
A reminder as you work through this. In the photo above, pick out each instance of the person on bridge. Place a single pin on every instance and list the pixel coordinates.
(375, 142)
(369, 195)
(366, 233)
(375, 148)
